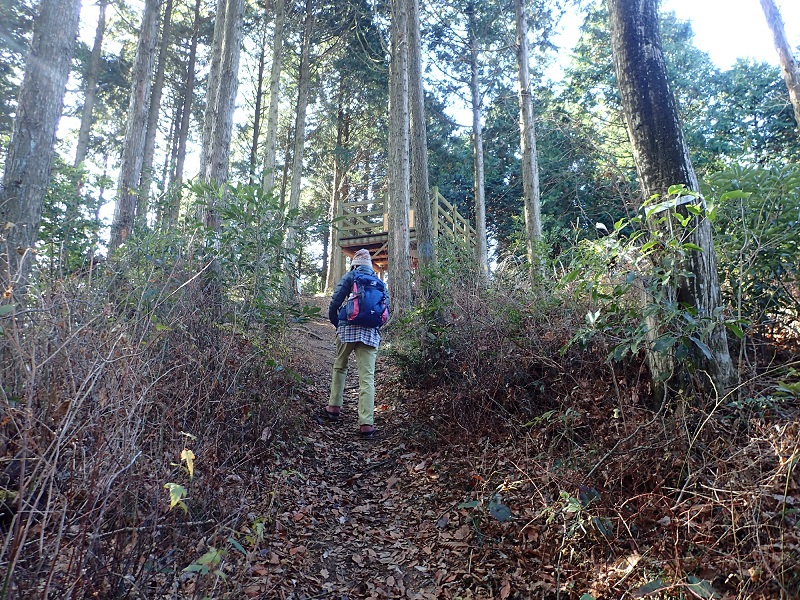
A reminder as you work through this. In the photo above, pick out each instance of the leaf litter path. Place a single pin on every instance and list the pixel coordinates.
(351, 518)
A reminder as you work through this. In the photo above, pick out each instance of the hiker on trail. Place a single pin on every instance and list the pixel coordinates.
(357, 318)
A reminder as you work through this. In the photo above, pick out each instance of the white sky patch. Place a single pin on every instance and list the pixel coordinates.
(731, 29)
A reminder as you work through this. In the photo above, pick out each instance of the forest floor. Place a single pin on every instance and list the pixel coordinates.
(432, 510)
(358, 518)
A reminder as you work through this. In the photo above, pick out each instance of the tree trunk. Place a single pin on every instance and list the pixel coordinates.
(274, 89)
(662, 160)
(420, 187)
(212, 85)
(30, 152)
(791, 74)
(171, 154)
(130, 169)
(176, 184)
(530, 167)
(259, 102)
(482, 247)
(152, 118)
(337, 258)
(228, 85)
(299, 144)
(91, 86)
(398, 163)
(287, 157)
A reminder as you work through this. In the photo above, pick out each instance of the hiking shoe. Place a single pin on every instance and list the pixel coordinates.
(325, 416)
(369, 434)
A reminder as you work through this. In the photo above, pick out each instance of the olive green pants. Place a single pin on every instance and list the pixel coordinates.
(365, 360)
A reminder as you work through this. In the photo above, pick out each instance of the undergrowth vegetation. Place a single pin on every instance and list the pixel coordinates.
(128, 402)
(144, 396)
(698, 495)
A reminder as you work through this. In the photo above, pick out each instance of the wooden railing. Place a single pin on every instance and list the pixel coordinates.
(357, 220)
(448, 221)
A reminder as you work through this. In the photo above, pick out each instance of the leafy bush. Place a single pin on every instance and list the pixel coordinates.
(631, 278)
(757, 238)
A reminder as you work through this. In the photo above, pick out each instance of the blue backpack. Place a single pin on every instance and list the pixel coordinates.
(366, 305)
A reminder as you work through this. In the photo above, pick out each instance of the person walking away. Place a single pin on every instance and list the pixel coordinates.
(359, 339)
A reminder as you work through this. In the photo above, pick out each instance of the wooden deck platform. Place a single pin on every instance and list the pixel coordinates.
(366, 225)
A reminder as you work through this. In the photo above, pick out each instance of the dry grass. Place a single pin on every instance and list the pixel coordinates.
(104, 385)
(618, 491)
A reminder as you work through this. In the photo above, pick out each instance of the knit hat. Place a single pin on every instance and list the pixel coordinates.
(362, 257)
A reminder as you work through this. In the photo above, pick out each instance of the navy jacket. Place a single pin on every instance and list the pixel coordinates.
(342, 291)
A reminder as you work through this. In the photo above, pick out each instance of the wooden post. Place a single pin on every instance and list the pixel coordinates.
(435, 211)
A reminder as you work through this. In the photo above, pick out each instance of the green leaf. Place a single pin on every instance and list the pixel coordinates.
(237, 545)
(176, 494)
(735, 195)
(196, 568)
(499, 511)
(211, 557)
(684, 221)
(736, 330)
(649, 588)
(703, 348)
(647, 245)
(664, 343)
(6, 309)
(701, 587)
(690, 246)
(587, 597)
(678, 190)
(694, 209)
(469, 504)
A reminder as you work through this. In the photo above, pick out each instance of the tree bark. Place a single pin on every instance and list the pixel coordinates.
(133, 147)
(91, 86)
(257, 111)
(662, 160)
(420, 186)
(304, 81)
(152, 118)
(212, 85)
(228, 85)
(791, 74)
(274, 89)
(30, 152)
(342, 133)
(176, 184)
(398, 163)
(482, 246)
(530, 167)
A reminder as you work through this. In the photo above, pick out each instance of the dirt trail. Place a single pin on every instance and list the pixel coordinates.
(346, 524)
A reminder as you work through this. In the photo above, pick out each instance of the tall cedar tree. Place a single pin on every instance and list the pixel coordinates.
(90, 93)
(153, 111)
(420, 190)
(30, 153)
(303, 84)
(662, 160)
(176, 182)
(399, 168)
(130, 169)
(271, 143)
(530, 167)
